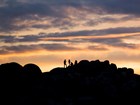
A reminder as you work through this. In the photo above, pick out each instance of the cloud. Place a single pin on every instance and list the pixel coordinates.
(110, 19)
(13, 12)
(115, 42)
(29, 48)
(101, 32)
(110, 6)
(98, 48)
(65, 35)
(71, 37)
(25, 38)
(7, 39)
(16, 11)
(58, 47)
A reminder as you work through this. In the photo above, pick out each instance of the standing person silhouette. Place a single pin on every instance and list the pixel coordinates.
(69, 62)
(76, 62)
(65, 63)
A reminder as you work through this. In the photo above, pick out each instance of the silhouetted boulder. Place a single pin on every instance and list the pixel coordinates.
(12, 67)
(84, 83)
(11, 70)
(10, 82)
(58, 70)
(32, 70)
(130, 71)
(126, 71)
(84, 63)
(83, 66)
(106, 62)
(113, 66)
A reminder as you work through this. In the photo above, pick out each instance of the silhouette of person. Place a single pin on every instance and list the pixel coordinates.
(75, 63)
(65, 63)
(69, 62)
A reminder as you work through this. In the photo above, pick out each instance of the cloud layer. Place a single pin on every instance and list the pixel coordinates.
(18, 15)
(60, 40)
(41, 36)
(37, 47)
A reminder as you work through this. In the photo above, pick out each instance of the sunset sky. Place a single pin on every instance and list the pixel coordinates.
(46, 32)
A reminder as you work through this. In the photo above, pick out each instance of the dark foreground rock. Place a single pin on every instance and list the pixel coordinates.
(84, 83)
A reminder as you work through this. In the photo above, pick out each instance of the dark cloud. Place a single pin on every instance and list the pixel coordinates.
(97, 48)
(26, 38)
(108, 19)
(58, 47)
(13, 11)
(109, 6)
(7, 39)
(118, 6)
(30, 38)
(28, 48)
(118, 30)
(55, 23)
(65, 35)
(115, 42)
(41, 26)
